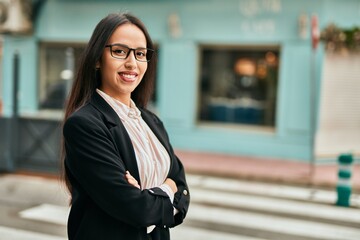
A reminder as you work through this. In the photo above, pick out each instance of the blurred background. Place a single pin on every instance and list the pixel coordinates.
(260, 99)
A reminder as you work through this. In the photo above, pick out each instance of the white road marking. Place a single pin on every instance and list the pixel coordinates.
(7, 233)
(185, 232)
(272, 205)
(280, 225)
(47, 213)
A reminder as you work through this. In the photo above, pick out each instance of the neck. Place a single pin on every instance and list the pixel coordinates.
(122, 98)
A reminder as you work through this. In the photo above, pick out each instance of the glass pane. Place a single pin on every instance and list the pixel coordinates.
(58, 63)
(239, 85)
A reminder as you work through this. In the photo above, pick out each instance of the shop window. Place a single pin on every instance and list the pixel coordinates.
(58, 63)
(238, 85)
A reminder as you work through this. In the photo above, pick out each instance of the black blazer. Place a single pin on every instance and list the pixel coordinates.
(104, 205)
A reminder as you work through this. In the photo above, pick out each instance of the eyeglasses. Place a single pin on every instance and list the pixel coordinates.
(120, 51)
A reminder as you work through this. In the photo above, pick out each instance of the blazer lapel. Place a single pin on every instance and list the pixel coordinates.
(120, 135)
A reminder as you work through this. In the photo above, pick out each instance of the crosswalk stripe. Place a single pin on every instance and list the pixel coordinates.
(7, 233)
(185, 232)
(273, 223)
(47, 213)
(268, 189)
(268, 205)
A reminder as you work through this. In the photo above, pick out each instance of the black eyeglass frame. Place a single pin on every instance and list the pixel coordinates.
(149, 52)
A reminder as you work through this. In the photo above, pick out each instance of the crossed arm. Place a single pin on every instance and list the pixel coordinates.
(131, 180)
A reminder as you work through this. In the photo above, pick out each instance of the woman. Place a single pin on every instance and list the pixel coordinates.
(124, 178)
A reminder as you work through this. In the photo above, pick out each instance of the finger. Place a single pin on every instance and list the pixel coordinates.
(135, 184)
(128, 175)
(132, 181)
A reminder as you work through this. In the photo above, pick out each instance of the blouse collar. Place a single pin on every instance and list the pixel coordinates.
(122, 109)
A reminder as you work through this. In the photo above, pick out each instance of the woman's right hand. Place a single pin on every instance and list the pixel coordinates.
(131, 180)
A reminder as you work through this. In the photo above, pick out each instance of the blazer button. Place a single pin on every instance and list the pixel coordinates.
(185, 192)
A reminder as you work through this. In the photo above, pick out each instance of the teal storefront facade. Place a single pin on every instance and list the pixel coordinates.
(183, 31)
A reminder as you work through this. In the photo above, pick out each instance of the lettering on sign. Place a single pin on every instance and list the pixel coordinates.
(254, 11)
(265, 26)
(252, 8)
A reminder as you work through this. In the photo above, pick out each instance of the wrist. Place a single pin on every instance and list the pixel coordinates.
(171, 184)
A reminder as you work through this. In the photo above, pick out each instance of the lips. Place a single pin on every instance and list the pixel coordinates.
(128, 76)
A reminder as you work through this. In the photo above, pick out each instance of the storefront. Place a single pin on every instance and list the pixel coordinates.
(233, 76)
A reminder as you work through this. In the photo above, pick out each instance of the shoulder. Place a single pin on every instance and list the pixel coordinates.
(84, 118)
(84, 113)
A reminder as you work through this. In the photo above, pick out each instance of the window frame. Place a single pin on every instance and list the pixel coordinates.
(201, 123)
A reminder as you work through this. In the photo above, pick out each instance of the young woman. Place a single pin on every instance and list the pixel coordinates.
(119, 166)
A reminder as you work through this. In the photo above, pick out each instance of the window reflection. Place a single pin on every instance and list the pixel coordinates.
(239, 85)
(58, 62)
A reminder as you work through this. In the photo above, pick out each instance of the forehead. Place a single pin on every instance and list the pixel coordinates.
(128, 34)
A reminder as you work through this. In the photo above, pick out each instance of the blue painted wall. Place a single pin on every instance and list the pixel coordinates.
(262, 22)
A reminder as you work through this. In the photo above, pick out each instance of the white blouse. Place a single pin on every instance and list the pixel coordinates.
(153, 160)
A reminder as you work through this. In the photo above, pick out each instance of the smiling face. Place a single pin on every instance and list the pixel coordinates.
(119, 77)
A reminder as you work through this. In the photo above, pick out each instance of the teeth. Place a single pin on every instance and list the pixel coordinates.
(129, 75)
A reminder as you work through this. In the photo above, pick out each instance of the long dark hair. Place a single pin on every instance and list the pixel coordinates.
(88, 77)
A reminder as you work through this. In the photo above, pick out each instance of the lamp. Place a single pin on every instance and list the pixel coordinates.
(303, 24)
(174, 25)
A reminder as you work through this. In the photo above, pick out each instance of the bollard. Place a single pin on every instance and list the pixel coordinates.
(343, 187)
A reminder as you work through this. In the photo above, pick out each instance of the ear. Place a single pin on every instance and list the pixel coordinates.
(97, 65)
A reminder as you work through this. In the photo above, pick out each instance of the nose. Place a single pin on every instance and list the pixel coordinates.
(131, 60)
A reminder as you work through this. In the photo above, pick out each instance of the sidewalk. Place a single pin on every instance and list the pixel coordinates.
(265, 170)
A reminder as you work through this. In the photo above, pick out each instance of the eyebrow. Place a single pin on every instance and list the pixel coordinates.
(121, 44)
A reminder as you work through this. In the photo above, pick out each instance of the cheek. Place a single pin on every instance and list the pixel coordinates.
(109, 67)
(144, 68)
(108, 71)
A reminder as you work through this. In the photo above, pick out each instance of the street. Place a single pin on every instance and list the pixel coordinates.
(221, 209)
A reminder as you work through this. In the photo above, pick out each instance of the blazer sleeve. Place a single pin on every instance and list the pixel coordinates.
(177, 173)
(92, 159)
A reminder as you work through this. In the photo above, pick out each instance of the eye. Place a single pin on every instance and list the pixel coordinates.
(141, 53)
(119, 52)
